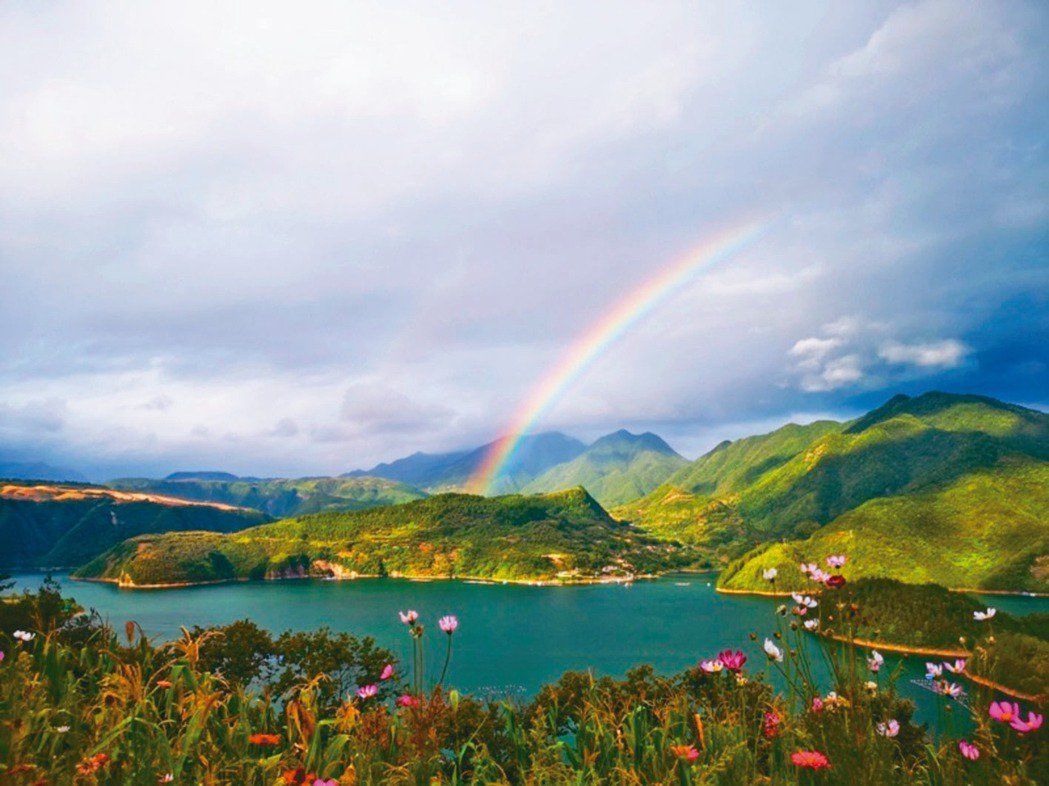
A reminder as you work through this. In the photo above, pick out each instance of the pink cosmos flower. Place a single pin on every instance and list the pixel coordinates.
(817, 704)
(448, 624)
(875, 661)
(407, 700)
(685, 752)
(1, 656)
(955, 668)
(807, 567)
(409, 617)
(733, 661)
(890, 729)
(836, 560)
(933, 670)
(711, 666)
(387, 672)
(983, 616)
(952, 689)
(1033, 723)
(770, 727)
(1004, 711)
(329, 782)
(969, 750)
(367, 691)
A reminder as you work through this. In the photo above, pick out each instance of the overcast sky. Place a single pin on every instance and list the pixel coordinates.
(305, 238)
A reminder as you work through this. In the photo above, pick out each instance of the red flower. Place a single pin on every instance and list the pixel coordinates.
(164, 684)
(810, 760)
(733, 661)
(685, 752)
(835, 581)
(92, 765)
(299, 776)
(265, 740)
(771, 726)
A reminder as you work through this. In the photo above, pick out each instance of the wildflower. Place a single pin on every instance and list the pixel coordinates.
(93, 764)
(366, 692)
(23, 636)
(166, 778)
(264, 740)
(810, 760)
(387, 672)
(817, 704)
(329, 782)
(773, 651)
(836, 560)
(969, 750)
(1033, 723)
(1004, 711)
(952, 689)
(62, 729)
(835, 582)
(407, 700)
(770, 728)
(981, 616)
(1, 656)
(781, 609)
(811, 624)
(711, 666)
(819, 576)
(409, 617)
(685, 752)
(164, 683)
(875, 661)
(889, 729)
(804, 600)
(871, 686)
(933, 670)
(448, 624)
(769, 574)
(955, 668)
(299, 777)
(733, 661)
(800, 611)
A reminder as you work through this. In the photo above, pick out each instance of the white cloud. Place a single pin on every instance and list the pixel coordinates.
(949, 353)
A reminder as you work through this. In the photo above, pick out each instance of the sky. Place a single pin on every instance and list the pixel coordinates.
(302, 238)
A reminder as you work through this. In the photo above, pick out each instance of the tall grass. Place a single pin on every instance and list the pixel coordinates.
(81, 703)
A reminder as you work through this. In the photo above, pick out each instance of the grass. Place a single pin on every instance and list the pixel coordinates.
(81, 704)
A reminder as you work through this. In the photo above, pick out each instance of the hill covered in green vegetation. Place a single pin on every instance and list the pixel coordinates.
(615, 469)
(277, 497)
(940, 487)
(565, 536)
(64, 525)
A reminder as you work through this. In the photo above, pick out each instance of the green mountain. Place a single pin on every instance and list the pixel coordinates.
(615, 469)
(278, 497)
(534, 454)
(940, 487)
(65, 525)
(566, 536)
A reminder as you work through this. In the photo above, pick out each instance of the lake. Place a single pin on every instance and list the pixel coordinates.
(512, 638)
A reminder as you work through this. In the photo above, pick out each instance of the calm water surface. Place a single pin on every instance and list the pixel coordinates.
(512, 638)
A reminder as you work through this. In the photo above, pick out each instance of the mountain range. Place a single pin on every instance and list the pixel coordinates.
(940, 487)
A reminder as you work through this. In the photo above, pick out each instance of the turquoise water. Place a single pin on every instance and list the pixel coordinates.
(512, 638)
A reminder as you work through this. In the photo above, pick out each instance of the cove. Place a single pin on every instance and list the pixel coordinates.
(512, 638)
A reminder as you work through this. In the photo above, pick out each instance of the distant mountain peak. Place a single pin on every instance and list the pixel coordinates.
(624, 439)
(202, 475)
(932, 403)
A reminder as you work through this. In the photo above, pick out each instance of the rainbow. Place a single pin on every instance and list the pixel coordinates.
(601, 335)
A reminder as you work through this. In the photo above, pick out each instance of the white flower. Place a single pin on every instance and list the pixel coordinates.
(890, 729)
(807, 567)
(168, 778)
(933, 670)
(875, 661)
(769, 574)
(952, 689)
(811, 624)
(773, 651)
(22, 635)
(871, 686)
(62, 729)
(980, 616)
(711, 666)
(804, 600)
(836, 560)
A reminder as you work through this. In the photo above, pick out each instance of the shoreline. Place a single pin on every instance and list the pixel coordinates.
(810, 591)
(906, 649)
(421, 579)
